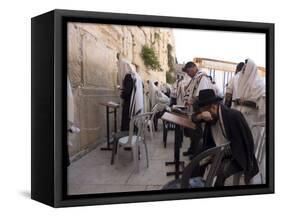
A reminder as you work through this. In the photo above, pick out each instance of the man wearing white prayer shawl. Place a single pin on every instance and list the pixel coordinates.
(249, 94)
(162, 100)
(70, 109)
(249, 98)
(233, 83)
(70, 119)
(132, 95)
(165, 88)
(199, 81)
(70, 104)
(137, 97)
(124, 84)
(124, 68)
(152, 89)
(157, 97)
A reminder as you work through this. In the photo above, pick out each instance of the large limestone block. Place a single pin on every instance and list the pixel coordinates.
(92, 69)
(93, 116)
(99, 63)
(127, 44)
(74, 54)
(112, 36)
(138, 42)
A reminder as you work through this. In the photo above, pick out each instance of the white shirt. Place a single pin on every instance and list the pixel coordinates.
(233, 85)
(217, 90)
(218, 132)
(205, 83)
(192, 90)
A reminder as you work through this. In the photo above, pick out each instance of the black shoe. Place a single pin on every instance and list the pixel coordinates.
(187, 153)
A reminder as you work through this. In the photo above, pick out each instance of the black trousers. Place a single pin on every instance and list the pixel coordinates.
(156, 117)
(125, 120)
(228, 167)
(195, 137)
(173, 101)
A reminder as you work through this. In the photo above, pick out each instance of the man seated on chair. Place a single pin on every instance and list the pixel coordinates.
(226, 126)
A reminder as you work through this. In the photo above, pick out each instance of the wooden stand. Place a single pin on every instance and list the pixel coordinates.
(180, 121)
(111, 108)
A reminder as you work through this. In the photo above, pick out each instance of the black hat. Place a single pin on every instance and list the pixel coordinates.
(207, 97)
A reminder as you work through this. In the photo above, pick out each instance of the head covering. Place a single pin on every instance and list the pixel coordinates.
(250, 85)
(152, 89)
(124, 67)
(137, 100)
(239, 67)
(207, 97)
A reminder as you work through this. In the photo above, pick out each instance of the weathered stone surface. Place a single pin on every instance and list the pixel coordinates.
(127, 44)
(92, 69)
(99, 67)
(74, 55)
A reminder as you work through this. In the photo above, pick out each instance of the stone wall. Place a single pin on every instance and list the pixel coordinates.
(92, 69)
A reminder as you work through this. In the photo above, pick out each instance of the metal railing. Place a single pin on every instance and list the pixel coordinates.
(221, 71)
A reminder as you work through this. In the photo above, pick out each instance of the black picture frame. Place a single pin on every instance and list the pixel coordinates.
(48, 108)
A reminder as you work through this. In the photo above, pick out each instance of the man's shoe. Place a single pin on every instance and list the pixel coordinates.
(187, 153)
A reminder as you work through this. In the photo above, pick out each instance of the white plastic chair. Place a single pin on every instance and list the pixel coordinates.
(211, 158)
(259, 141)
(135, 141)
(260, 151)
(150, 122)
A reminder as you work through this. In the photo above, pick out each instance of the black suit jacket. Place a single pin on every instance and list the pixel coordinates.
(128, 84)
(240, 137)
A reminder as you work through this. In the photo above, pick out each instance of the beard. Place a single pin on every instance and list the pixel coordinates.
(214, 120)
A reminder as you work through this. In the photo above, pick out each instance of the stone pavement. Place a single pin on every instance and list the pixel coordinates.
(93, 173)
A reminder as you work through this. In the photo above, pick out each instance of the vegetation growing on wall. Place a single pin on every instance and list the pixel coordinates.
(156, 36)
(171, 60)
(150, 59)
(171, 63)
(169, 78)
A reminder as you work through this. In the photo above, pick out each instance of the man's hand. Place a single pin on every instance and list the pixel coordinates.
(206, 116)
